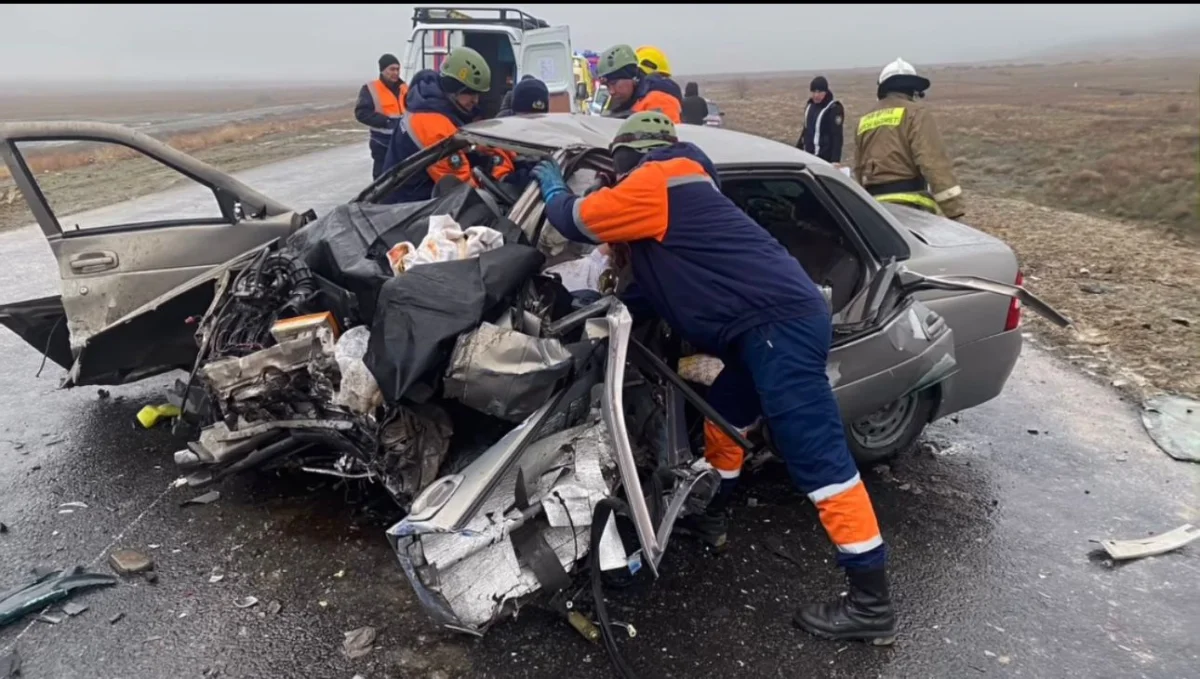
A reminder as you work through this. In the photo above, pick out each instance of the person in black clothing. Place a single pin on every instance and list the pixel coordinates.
(823, 118)
(695, 108)
(380, 104)
(506, 104)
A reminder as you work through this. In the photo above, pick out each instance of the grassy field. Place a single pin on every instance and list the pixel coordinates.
(17, 103)
(1088, 170)
(1117, 139)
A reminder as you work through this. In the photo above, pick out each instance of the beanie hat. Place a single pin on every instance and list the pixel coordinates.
(387, 60)
(531, 96)
(819, 84)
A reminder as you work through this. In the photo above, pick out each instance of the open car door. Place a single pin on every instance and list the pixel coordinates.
(546, 54)
(112, 261)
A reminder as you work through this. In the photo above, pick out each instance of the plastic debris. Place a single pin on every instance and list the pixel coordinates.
(218, 574)
(116, 618)
(128, 561)
(73, 609)
(47, 589)
(73, 505)
(152, 415)
(205, 499)
(1174, 424)
(50, 618)
(246, 602)
(1122, 550)
(358, 642)
(274, 607)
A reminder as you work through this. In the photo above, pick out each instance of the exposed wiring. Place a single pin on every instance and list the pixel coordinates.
(49, 339)
(604, 509)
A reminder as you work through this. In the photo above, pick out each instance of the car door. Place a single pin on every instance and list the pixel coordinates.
(546, 54)
(113, 260)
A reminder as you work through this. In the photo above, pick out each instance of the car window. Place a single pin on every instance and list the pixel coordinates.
(875, 230)
(71, 174)
(713, 110)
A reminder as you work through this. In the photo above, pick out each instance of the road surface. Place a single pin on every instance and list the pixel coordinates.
(989, 538)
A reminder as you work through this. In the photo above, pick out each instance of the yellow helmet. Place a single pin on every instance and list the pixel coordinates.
(652, 60)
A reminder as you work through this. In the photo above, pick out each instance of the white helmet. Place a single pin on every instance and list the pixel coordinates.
(904, 70)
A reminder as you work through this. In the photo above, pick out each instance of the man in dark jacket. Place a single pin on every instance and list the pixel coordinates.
(823, 117)
(380, 104)
(525, 98)
(728, 287)
(695, 108)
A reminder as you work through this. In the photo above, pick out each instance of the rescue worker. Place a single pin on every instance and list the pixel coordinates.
(695, 108)
(898, 153)
(652, 60)
(380, 105)
(529, 96)
(823, 118)
(632, 90)
(438, 104)
(728, 287)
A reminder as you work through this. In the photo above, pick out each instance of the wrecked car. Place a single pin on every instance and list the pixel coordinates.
(523, 420)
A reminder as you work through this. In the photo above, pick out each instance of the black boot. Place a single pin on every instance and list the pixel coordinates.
(864, 614)
(709, 527)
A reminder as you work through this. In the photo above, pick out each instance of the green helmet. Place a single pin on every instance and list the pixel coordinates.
(614, 59)
(644, 131)
(468, 67)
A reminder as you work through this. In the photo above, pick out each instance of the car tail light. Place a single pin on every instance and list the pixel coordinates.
(1014, 308)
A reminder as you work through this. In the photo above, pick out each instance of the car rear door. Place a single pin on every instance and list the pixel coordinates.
(546, 54)
(114, 260)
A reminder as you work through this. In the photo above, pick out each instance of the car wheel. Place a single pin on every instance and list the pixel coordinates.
(892, 429)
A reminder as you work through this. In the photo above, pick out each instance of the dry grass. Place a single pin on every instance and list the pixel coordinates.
(1115, 139)
(1088, 170)
(63, 103)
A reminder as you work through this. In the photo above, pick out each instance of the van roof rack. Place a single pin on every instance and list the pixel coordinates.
(506, 16)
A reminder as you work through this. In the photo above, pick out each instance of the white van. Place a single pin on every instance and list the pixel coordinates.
(513, 43)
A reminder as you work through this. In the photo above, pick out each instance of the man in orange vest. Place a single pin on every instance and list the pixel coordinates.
(380, 105)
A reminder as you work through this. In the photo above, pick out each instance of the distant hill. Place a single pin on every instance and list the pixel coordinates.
(1177, 42)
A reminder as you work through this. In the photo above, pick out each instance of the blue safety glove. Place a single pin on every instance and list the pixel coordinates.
(550, 179)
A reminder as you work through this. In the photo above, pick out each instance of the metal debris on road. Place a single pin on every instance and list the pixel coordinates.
(1174, 424)
(246, 602)
(218, 574)
(128, 562)
(358, 642)
(205, 499)
(73, 505)
(73, 609)
(274, 607)
(116, 618)
(45, 589)
(1122, 550)
(50, 618)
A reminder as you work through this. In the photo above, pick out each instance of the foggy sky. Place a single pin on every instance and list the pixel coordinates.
(338, 42)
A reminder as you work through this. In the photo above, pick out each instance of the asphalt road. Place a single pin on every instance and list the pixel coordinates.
(988, 529)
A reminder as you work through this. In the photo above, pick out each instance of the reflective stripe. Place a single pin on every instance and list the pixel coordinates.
(952, 192)
(887, 117)
(914, 199)
(817, 132)
(826, 492)
(729, 475)
(393, 108)
(861, 547)
(580, 224)
(689, 179)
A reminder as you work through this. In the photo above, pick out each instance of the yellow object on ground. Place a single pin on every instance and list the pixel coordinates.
(150, 415)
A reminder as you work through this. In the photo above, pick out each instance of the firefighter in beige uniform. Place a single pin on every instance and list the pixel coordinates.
(898, 153)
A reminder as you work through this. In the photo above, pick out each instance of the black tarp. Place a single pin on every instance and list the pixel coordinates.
(420, 313)
(348, 246)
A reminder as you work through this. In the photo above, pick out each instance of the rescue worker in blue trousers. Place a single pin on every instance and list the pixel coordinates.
(729, 288)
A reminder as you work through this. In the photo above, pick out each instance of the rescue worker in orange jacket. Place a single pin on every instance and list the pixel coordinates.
(438, 104)
(898, 154)
(380, 104)
(728, 287)
(632, 90)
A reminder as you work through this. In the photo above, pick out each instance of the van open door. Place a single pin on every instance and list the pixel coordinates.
(546, 54)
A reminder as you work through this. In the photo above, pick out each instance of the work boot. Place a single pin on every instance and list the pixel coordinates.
(708, 527)
(864, 614)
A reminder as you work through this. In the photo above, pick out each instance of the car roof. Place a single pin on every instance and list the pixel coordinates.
(563, 130)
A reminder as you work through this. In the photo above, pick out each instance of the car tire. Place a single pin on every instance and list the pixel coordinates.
(891, 430)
